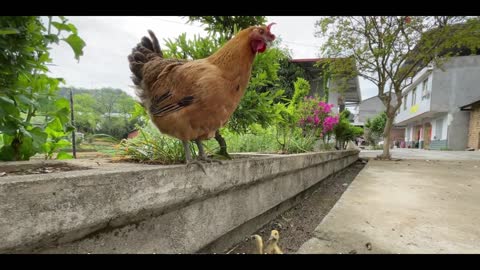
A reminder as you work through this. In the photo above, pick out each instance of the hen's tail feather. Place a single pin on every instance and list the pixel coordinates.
(156, 45)
(145, 51)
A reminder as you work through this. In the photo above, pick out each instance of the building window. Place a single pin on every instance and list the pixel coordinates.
(425, 93)
(405, 102)
(414, 96)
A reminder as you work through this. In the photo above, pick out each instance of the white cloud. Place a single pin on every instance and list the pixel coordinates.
(110, 39)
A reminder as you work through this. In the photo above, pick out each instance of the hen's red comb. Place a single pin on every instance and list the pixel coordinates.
(270, 25)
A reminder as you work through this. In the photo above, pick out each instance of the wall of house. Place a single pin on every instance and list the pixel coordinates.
(370, 108)
(474, 128)
(458, 130)
(422, 102)
(458, 85)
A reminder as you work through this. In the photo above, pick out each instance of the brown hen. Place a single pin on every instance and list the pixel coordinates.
(190, 100)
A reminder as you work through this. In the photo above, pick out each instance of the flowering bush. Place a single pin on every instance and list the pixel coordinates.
(316, 117)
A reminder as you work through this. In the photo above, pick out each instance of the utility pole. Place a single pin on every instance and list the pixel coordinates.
(74, 147)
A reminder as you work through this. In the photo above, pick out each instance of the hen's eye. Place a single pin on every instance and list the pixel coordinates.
(261, 31)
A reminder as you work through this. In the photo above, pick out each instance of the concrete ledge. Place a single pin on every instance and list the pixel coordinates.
(134, 208)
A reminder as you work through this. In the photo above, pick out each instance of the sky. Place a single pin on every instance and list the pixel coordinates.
(110, 39)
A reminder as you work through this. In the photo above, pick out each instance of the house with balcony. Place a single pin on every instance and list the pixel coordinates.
(432, 112)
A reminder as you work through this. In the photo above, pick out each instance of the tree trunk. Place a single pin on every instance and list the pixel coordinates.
(223, 145)
(386, 138)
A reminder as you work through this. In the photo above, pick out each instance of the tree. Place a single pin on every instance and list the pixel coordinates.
(86, 117)
(390, 50)
(33, 118)
(287, 74)
(105, 110)
(227, 26)
(374, 128)
(344, 131)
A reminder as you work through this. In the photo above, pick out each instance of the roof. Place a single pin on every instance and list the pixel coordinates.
(469, 106)
(371, 98)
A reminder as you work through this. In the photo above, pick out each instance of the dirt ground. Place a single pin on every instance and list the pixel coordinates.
(297, 224)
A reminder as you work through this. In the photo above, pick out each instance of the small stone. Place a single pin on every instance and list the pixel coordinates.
(368, 246)
(3, 174)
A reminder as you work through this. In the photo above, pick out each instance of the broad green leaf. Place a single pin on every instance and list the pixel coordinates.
(67, 27)
(39, 137)
(9, 128)
(52, 38)
(62, 103)
(77, 45)
(9, 31)
(7, 153)
(61, 26)
(62, 143)
(25, 100)
(54, 126)
(64, 155)
(26, 149)
(24, 132)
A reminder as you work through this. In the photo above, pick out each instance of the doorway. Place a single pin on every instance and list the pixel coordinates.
(427, 135)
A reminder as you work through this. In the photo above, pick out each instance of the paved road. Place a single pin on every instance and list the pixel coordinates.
(405, 153)
(407, 206)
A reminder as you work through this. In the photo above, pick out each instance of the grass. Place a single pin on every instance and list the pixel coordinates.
(263, 141)
(152, 147)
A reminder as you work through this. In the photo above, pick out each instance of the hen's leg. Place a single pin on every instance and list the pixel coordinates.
(188, 154)
(188, 157)
(202, 155)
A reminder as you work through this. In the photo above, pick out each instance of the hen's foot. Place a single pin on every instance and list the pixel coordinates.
(197, 162)
(209, 160)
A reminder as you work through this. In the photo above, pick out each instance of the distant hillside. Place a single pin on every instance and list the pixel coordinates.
(65, 91)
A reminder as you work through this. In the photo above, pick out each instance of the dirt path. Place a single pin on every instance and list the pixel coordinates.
(297, 224)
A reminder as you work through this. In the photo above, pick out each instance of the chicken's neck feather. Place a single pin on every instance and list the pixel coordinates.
(235, 57)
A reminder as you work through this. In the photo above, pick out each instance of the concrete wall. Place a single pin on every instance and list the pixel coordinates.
(134, 208)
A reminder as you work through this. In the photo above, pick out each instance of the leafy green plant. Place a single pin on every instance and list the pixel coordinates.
(33, 119)
(317, 118)
(287, 124)
(344, 131)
